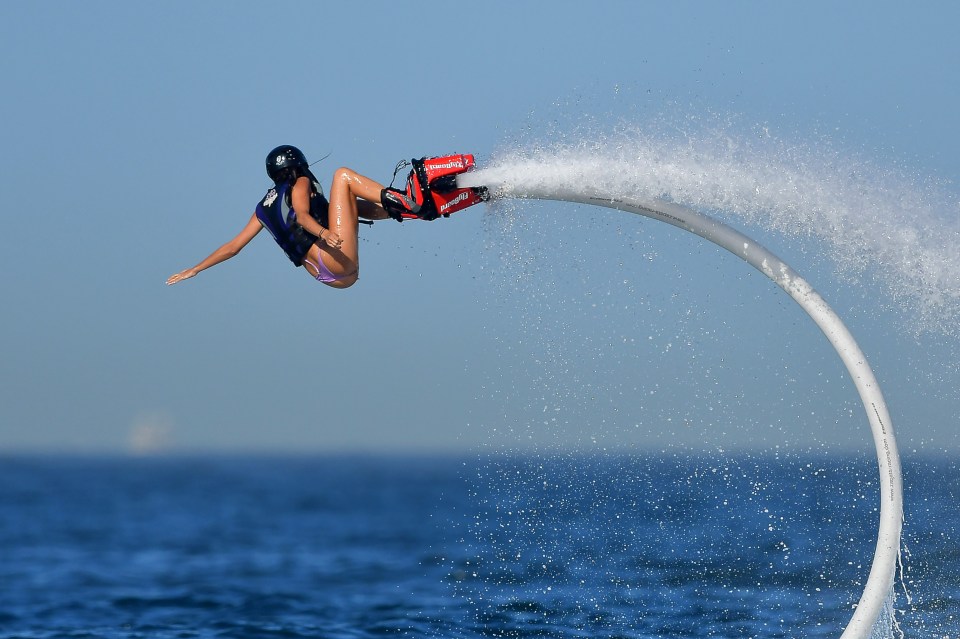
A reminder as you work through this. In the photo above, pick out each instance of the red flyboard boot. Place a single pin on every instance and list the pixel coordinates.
(440, 173)
(432, 190)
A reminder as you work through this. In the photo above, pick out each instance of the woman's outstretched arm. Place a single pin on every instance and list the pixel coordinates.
(223, 253)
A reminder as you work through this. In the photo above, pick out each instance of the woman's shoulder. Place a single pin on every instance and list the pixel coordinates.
(302, 182)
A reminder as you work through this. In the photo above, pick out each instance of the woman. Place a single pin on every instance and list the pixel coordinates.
(315, 234)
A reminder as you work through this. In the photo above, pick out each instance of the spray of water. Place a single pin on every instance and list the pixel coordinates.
(882, 222)
(900, 230)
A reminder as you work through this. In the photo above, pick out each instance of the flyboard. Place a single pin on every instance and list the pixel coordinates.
(448, 188)
(431, 190)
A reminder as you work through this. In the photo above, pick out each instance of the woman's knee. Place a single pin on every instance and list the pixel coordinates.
(344, 176)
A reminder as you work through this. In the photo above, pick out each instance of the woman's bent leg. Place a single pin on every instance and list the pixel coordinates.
(348, 185)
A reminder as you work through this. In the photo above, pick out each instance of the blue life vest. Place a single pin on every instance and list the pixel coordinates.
(276, 214)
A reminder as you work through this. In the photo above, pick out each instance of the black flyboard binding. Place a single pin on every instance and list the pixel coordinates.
(432, 191)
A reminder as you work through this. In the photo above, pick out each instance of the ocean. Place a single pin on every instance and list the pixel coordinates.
(486, 545)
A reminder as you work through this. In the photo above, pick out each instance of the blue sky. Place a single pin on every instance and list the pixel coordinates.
(134, 138)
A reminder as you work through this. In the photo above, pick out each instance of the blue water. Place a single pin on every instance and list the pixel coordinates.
(494, 546)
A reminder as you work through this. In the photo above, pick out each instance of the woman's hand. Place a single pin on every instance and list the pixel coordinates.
(225, 252)
(185, 274)
(332, 239)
